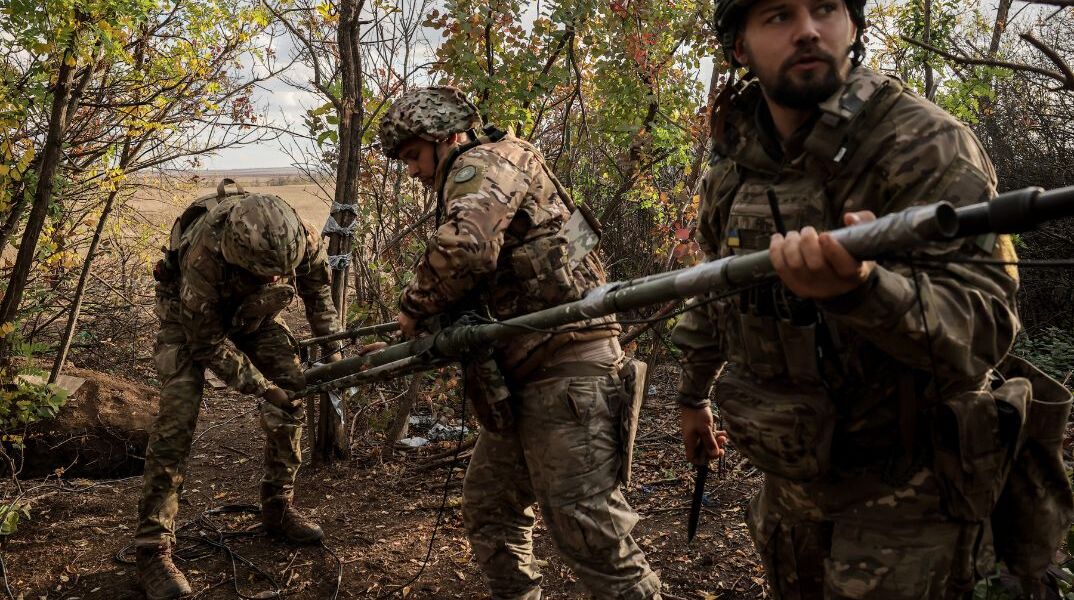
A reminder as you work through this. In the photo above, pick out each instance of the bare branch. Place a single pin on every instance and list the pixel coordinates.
(1064, 77)
(1057, 60)
(1059, 3)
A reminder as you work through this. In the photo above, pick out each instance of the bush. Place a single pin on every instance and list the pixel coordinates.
(1051, 349)
(22, 402)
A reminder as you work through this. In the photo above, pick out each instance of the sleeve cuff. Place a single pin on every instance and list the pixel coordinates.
(687, 401)
(255, 385)
(882, 299)
(261, 388)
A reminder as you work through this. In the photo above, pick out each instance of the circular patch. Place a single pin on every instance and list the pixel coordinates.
(465, 174)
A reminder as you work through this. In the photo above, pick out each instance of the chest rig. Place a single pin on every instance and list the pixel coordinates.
(786, 358)
(795, 196)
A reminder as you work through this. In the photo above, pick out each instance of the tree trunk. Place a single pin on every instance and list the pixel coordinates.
(91, 253)
(633, 158)
(13, 217)
(930, 84)
(698, 165)
(61, 96)
(329, 441)
(76, 304)
(1003, 11)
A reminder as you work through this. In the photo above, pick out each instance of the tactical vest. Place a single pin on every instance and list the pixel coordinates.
(544, 265)
(772, 333)
(167, 269)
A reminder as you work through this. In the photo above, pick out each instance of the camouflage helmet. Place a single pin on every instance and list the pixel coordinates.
(729, 14)
(430, 113)
(263, 235)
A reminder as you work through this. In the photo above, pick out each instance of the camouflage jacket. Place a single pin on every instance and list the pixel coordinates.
(873, 146)
(199, 309)
(496, 198)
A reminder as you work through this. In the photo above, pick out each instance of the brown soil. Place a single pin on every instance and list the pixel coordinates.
(378, 515)
(101, 431)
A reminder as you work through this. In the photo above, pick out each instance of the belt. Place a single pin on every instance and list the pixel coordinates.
(573, 369)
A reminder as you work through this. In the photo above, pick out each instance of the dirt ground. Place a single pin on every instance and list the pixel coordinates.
(379, 516)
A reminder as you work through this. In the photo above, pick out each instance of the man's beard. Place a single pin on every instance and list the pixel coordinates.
(811, 87)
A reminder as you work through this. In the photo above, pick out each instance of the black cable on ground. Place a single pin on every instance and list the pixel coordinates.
(3, 569)
(339, 569)
(203, 537)
(443, 501)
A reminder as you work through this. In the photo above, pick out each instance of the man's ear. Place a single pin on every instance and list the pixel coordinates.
(444, 146)
(739, 51)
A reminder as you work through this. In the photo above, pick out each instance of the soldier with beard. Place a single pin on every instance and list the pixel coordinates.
(835, 371)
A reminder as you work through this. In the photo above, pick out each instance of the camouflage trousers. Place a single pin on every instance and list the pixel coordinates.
(864, 538)
(563, 456)
(273, 351)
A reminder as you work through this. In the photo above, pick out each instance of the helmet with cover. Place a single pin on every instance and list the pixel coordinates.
(431, 113)
(730, 14)
(263, 235)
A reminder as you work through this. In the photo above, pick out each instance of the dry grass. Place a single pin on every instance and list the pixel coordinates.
(160, 204)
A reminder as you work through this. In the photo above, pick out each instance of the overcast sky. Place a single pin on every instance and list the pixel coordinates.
(284, 106)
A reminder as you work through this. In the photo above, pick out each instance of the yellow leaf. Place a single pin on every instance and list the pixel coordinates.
(6, 328)
(69, 60)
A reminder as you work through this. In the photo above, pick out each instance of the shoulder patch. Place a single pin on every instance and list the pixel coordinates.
(465, 174)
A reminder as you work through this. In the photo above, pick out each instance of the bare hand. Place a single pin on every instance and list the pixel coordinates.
(366, 349)
(816, 266)
(703, 442)
(408, 325)
(277, 397)
(331, 358)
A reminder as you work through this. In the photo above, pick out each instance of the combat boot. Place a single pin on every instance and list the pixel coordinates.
(157, 574)
(283, 520)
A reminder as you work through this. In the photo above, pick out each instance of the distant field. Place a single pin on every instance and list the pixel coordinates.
(159, 202)
(161, 206)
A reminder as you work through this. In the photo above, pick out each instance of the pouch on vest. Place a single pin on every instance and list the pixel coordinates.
(761, 345)
(489, 394)
(543, 268)
(1036, 507)
(785, 430)
(632, 381)
(799, 343)
(262, 306)
(973, 439)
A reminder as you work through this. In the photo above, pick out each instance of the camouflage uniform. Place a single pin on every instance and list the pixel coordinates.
(202, 324)
(828, 398)
(497, 199)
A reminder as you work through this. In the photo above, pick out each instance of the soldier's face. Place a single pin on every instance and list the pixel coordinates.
(420, 158)
(799, 49)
